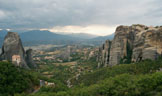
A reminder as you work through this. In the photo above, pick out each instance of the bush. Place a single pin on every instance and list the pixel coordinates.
(15, 80)
(143, 67)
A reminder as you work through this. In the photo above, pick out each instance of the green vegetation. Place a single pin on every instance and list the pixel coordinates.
(57, 88)
(138, 79)
(121, 85)
(16, 80)
(76, 56)
(143, 67)
(57, 72)
(91, 64)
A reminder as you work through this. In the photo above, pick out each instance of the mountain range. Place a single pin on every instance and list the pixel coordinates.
(104, 38)
(37, 37)
(82, 35)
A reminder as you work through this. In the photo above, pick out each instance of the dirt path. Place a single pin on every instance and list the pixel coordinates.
(35, 91)
(76, 77)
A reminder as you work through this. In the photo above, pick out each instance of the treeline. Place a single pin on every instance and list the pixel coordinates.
(16, 80)
(143, 67)
(138, 79)
(121, 85)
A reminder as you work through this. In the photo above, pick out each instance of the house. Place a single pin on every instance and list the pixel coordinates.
(16, 59)
(45, 83)
(51, 84)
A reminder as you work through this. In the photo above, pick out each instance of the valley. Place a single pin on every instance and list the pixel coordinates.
(80, 47)
(119, 67)
(67, 61)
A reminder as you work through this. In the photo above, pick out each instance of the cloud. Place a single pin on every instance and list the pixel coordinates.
(36, 14)
(2, 14)
(91, 29)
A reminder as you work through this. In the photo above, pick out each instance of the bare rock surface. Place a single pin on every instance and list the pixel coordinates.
(29, 59)
(137, 42)
(13, 51)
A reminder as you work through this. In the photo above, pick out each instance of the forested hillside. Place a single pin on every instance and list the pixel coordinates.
(16, 80)
(138, 79)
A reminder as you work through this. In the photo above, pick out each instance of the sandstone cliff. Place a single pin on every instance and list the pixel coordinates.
(131, 44)
(104, 54)
(12, 50)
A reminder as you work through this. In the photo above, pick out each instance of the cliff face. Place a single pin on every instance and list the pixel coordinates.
(104, 54)
(29, 59)
(12, 50)
(132, 44)
(147, 44)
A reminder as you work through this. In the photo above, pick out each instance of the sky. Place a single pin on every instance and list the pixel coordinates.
(99, 17)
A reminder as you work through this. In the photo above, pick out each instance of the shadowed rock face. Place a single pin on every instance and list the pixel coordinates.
(138, 42)
(29, 59)
(104, 53)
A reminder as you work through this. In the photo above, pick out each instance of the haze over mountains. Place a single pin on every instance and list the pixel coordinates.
(103, 38)
(37, 37)
(82, 35)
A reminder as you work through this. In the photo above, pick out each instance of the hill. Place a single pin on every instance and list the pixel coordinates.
(104, 38)
(82, 35)
(138, 79)
(16, 80)
(3, 33)
(36, 37)
(99, 40)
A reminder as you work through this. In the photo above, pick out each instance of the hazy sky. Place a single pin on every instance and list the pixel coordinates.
(92, 16)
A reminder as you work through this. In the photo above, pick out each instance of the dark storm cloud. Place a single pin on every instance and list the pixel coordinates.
(48, 13)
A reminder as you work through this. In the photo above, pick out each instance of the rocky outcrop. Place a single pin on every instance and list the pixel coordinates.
(12, 50)
(132, 44)
(147, 44)
(29, 59)
(104, 54)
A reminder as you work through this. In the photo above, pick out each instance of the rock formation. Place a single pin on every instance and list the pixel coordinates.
(131, 44)
(104, 54)
(29, 59)
(147, 44)
(12, 50)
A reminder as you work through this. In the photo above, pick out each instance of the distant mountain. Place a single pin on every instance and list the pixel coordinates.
(110, 37)
(3, 33)
(19, 30)
(1, 41)
(83, 35)
(99, 40)
(79, 35)
(36, 37)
